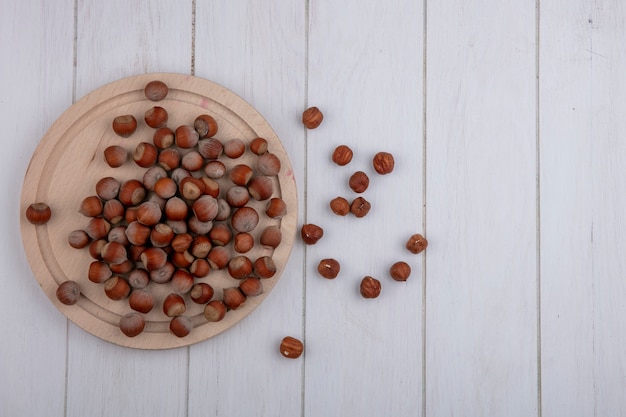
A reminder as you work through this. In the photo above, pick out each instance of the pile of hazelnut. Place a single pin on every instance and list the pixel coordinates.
(188, 215)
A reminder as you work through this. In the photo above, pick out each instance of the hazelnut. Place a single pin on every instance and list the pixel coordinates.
(192, 161)
(163, 274)
(223, 210)
(97, 228)
(261, 188)
(153, 258)
(169, 159)
(342, 155)
(291, 347)
(182, 281)
(237, 196)
(78, 239)
(243, 242)
(215, 310)
(271, 236)
(240, 174)
(370, 287)
(115, 156)
(311, 233)
(174, 305)
(156, 117)
(276, 208)
(200, 268)
(233, 298)
(107, 188)
(145, 154)
(38, 213)
(181, 242)
(211, 187)
(200, 246)
(116, 288)
(137, 233)
(359, 182)
(132, 192)
(165, 188)
(245, 219)
(132, 324)
(176, 209)
(312, 117)
(181, 326)
(416, 243)
(258, 146)
(123, 267)
(149, 213)
(198, 227)
(264, 267)
(124, 126)
(328, 268)
(138, 278)
(240, 267)
(91, 206)
(163, 137)
(201, 293)
(156, 90)
(205, 208)
(218, 257)
(214, 169)
(340, 206)
(360, 207)
(205, 125)
(113, 211)
(400, 271)
(268, 164)
(118, 234)
(220, 235)
(68, 292)
(251, 287)
(234, 148)
(191, 188)
(114, 253)
(383, 163)
(210, 148)
(141, 301)
(186, 137)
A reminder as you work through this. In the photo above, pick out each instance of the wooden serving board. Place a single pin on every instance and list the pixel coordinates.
(69, 161)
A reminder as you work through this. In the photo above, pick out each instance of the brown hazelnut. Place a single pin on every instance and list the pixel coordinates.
(114, 253)
(258, 146)
(176, 209)
(115, 156)
(276, 208)
(91, 206)
(78, 239)
(340, 206)
(149, 213)
(116, 288)
(251, 287)
(156, 90)
(163, 137)
(201, 293)
(261, 188)
(205, 125)
(169, 159)
(163, 274)
(291, 347)
(218, 257)
(145, 154)
(383, 163)
(233, 298)
(192, 161)
(359, 182)
(360, 207)
(416, 243)
(237, 196)
(240, 267)
(186, 137)
(137, 233)
(200, 268)
(264, 267)
(141, 301)
(132, 192)
(191, 188)
(205, 208)
(181, 326)
(240, 174)
(107, 188)
(234, 148)
(311, 233)
(138, 278)
(182, 281)
(215, 311)
(68, 292)
(342, 155)
(328, 268)
(268, 164)
(38, 213)
(243, 242)
(113, 211)
(220, 235)
(370, 287)
(245, 219)
(153, 258)
(271, 236)
(210, 148)
(132, 324)
(156, 117)
(214, 169)
(400, 271)
(200, 246)
(125, 125)
(97, 228)
(312, 117)
(174, 305)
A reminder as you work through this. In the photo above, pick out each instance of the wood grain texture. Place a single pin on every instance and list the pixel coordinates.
(256, 49)
(365, 74)
(114, 40)
(36, 82)
(481, 310)
(567, 149)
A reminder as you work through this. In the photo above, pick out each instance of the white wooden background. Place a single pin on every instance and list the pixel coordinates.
(508, 122)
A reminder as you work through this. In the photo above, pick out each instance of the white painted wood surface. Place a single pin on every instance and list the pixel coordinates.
(506, 119)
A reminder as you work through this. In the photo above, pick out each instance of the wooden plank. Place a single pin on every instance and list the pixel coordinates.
(567, 149)
(257, 50)
(481, 308)
(36, 84)
(365, 73)
(114, 40)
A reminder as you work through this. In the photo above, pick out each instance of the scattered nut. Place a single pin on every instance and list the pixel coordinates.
(132, 324)
(215, 310)
(124, 126)
(416, 243)
(156, 117)
(400, 271)
(38, 213)
(312, 117)
(359, 181)
(340, 206)
(370, 287)
(342, 155)
(383, 163)
(360, 207)
(181, 326)
(328, 268)
(291, 347)
(68, 292)
(156, 90)
(311, 233)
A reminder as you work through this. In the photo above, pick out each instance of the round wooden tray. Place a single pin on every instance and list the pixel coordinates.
(69, 161)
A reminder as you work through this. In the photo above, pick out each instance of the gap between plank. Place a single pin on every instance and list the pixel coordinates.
(193, 37)
(424, 193)
(538, 199)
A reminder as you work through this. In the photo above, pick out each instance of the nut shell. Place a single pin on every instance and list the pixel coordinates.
(38, 213)
(181, 326)
(132, 324)
(68, 292)
(156, 117)
(156, 90)
(125, 125)
(141, 301)
(215, 311)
